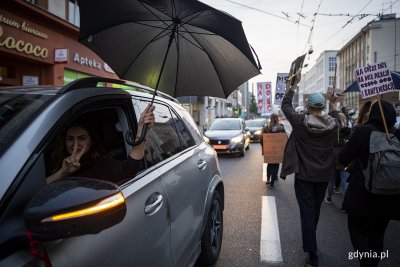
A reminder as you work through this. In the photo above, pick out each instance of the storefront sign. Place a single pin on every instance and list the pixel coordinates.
(24, 26)
(30, 80)
(61, 55)
(22, 46)
(85, 61)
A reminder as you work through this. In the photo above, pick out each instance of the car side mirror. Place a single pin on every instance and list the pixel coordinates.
(74, 206)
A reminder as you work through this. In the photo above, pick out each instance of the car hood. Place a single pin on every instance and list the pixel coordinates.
(222, 134)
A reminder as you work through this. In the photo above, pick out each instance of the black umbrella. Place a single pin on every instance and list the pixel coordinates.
(353, 87)
(181, 47)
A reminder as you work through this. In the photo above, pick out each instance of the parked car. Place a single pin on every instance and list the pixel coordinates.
(255, 126)
(168, 214)
(229, 135)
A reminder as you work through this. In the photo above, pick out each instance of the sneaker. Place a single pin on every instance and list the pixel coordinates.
(268, 182)
(311, 259)
(328, 200)
(336, 190)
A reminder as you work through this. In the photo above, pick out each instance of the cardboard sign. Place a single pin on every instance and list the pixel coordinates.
(274, 146)
(374, 80)
(296, 66)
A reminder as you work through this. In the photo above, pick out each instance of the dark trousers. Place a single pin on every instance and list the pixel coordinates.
(309, 196)
(272, 172)
(367, 234)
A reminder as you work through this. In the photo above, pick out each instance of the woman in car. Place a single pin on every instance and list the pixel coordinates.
(82, 155)
(273, 127)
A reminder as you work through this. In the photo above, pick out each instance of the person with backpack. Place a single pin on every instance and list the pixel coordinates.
(273, 127)
(369, 211)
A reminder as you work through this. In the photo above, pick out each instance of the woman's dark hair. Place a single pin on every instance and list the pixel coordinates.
(375, 116)
(59, 153)
(364, 112)
(274, 121)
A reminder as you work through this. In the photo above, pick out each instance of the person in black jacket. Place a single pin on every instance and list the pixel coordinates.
(309, 155)
(82, 155)
(273, 127)
(368, 214)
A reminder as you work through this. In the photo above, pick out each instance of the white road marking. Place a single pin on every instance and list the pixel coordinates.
(264, 175)
(270, 244)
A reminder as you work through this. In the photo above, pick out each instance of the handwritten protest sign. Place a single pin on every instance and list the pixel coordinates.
(374, 80)
(264, 98)
(273, 147)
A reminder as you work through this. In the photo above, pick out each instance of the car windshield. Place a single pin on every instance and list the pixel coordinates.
(225, 125)
(16, 110)
(255, 123)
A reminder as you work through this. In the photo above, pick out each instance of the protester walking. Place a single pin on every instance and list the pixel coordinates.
(309, 155)
(368, 213)
(273, 127)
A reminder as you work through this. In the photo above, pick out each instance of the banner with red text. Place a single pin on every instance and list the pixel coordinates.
(264, 98)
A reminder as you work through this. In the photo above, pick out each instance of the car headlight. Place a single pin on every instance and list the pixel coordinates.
(258, 132)
(237, 139)
(205, 138)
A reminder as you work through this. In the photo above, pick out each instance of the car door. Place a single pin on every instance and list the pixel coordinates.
(186, 174)
(141, 239)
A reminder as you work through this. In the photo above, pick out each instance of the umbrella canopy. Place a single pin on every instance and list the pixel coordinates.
(181, 47)
(354, 86)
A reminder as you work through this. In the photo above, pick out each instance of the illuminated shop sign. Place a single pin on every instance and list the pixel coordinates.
(24, 26)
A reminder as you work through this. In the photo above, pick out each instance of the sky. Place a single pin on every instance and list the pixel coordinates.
(271, 28)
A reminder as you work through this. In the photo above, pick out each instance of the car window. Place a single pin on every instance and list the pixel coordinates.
(226, 125)
(192, 126)
(255, 123)
(162, 139)
(106, 154)
(16, 111)
(184, 135)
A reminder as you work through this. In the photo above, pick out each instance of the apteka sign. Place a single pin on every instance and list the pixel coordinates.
(374, 80)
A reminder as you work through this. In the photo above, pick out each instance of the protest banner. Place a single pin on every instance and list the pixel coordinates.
(280, 88)
(374, 80)
(274, 146)
(264, 98)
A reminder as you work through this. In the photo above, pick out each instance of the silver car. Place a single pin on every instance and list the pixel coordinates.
(229, 136)
(170, 213)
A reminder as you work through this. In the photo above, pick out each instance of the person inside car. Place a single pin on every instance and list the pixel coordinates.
(82, 155)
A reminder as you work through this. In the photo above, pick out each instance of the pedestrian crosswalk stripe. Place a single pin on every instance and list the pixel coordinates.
(270, 244)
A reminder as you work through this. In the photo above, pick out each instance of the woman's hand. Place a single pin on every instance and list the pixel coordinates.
(72, 163)
(147, 117)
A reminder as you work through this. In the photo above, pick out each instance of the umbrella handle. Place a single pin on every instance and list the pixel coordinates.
(131, 141)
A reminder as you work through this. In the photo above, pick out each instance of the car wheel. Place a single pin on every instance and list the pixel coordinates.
(242, 152)
(212, 235)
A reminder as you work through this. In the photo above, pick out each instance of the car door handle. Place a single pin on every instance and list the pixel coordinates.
(201, 164)
(153, 204)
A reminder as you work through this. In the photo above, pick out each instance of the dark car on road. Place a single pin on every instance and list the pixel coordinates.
(170, 213)
(229, 136)
(255, 126)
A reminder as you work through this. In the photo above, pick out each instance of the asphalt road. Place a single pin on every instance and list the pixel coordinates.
(244, 190)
